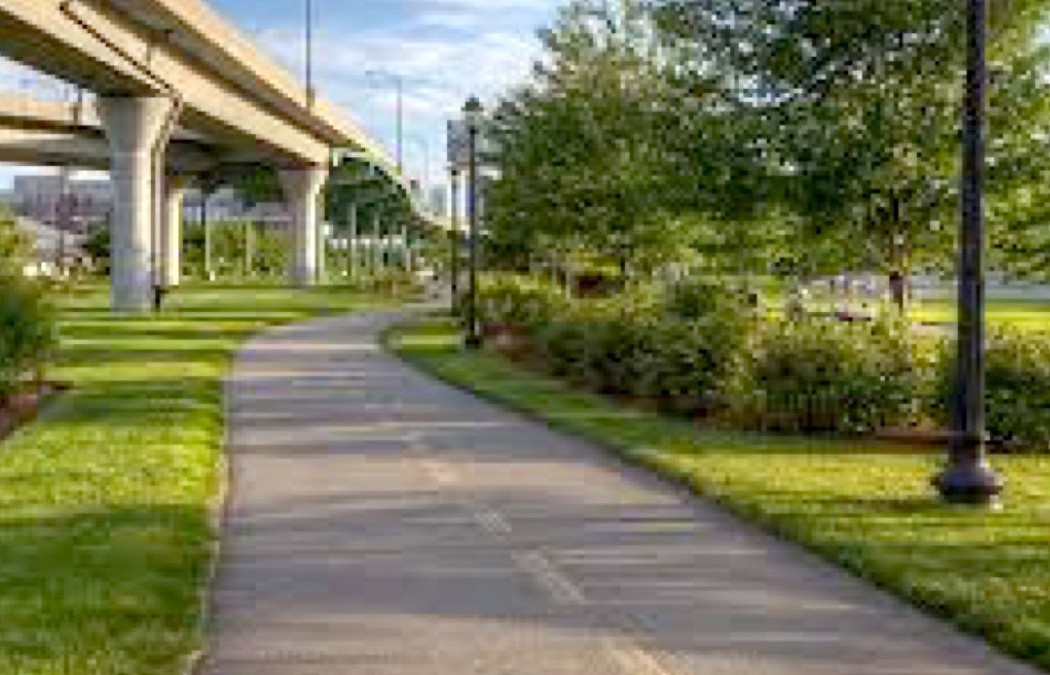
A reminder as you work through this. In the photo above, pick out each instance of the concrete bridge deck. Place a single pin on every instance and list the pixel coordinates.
(382, 523)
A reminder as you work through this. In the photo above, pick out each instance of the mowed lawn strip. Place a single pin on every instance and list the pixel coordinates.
(865, 506)
(106, 501)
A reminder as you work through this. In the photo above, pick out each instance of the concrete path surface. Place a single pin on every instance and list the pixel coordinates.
(381, 523)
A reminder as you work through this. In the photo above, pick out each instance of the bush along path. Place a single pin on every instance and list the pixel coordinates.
(106, 501)
(702, 351)
(865, 506)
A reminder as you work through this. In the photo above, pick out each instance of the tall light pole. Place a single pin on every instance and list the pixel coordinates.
(309, 60)
(454, 237)
(422, 143)
(472, 112)
(399, 85)
(968, 478)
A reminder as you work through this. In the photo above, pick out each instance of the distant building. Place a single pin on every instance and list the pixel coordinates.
(72, 205)
(438, 199)
(223, 204)
(55, 249)
(78, 204)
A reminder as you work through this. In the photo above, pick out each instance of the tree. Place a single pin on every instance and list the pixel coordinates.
(582, 151)
(16, 247)
(857, 104)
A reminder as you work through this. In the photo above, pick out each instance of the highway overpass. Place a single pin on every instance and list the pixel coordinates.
(176, 93)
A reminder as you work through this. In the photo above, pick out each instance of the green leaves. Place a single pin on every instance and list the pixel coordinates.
(27, 332)
(16, 247)
(825, 133)
(858, 104)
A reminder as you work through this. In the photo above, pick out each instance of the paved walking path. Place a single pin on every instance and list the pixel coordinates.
(384, 524)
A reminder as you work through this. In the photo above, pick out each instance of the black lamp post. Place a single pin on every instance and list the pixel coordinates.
(968, 478)
(472, 112)
(454, 238)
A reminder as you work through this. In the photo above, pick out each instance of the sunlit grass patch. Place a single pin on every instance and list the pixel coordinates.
(865, 505)
(106, 502)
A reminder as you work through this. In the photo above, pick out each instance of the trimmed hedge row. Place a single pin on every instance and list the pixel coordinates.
(27, 333)
(705, 351)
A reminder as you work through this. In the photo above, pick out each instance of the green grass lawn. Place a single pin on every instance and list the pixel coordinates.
(867, 507)
(106, 502)
(1024, 314)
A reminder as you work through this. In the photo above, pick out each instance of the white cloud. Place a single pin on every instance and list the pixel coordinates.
(439, 69)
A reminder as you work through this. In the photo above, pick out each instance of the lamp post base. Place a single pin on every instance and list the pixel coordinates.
(969, 482)
(473, 342)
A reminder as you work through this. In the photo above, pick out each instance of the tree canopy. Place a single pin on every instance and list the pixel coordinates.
(820, 134)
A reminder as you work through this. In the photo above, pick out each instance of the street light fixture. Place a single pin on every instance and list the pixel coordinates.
(472, 113)
(968, 478)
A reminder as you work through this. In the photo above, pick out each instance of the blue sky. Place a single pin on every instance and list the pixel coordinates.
(445, 50)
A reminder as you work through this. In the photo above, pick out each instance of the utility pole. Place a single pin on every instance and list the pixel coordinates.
(399, 87)
(310, 92)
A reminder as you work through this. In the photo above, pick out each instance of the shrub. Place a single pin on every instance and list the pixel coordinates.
(630, 348)
(1017, 388)
(702, 351)
(699, 297)
(816, 375)
(520, 301)
(27, 332)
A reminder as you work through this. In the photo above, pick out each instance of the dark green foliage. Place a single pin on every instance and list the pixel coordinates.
(704, 351)
(270, 249)
(856, 106)
(27, 332)
(1017, 394)
(507, 299)
(696, 298)
(820, 375)
(16, 247)
(628, 345)
(97, 246)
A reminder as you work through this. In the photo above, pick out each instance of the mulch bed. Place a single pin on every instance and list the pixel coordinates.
(23, 407)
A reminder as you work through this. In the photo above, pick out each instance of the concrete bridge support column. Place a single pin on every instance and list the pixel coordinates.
(406, 248)
(133, 128)
(171, 234)
(302, 188)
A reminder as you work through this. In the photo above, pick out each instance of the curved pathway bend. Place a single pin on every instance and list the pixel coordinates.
(382, 523)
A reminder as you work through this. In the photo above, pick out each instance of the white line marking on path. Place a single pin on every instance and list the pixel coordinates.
(559, 586)
(632, 658)
(492, 522)
(439, 472)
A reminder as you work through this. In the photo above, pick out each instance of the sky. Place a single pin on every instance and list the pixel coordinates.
(444, 50)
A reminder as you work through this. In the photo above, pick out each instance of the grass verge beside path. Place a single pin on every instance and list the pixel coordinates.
(106, 501)
(866, 507)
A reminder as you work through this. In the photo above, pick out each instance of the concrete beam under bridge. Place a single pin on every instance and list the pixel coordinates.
(88, 150)
(114, 53)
